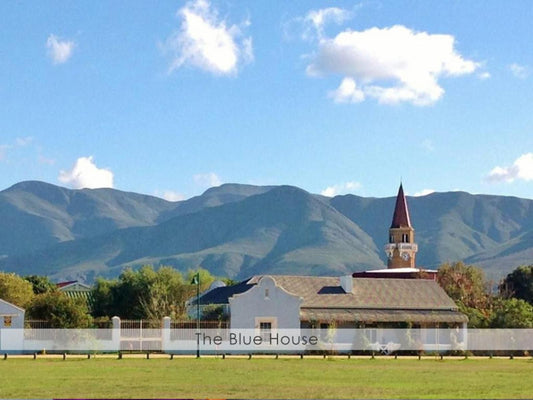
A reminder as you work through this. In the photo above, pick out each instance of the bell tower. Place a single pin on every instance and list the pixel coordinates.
(401, 249)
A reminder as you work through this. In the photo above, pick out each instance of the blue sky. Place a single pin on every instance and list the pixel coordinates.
(170, 98)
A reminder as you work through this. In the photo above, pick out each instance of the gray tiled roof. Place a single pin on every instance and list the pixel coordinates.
(220, 295)
(368, 293)
(373, 293)
(369, 315)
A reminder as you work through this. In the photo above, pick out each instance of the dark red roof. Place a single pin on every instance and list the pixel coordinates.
(431, 275)
(63, 284)
(400, 218)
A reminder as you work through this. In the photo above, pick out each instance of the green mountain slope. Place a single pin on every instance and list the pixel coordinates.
(35, 215)
(213, 197)
(283, 228)
(448, 226)
(239, 230)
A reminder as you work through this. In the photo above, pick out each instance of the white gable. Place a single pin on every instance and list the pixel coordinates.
(265, 302)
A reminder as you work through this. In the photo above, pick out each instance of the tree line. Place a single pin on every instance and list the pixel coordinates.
(152, 294)
(506, 305)
(145, 293)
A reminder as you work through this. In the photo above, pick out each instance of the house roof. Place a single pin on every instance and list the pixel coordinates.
(401, 219)
(373, 315)
(400, 273)
(63, 284)
(222, 294)
(368, 293)
(73, 286)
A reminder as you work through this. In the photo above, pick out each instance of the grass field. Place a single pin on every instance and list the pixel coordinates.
(266, 378)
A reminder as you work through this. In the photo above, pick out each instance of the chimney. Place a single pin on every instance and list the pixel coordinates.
(347, 283)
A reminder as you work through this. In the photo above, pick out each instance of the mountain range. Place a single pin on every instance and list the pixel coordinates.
(239, 230)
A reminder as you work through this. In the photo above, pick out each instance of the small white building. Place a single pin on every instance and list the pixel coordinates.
(11, 327)
(11, 316)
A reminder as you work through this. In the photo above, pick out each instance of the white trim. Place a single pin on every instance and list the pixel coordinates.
(86, 288)
(12, 305)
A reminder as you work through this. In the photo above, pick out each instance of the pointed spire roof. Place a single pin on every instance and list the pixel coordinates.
(401, 218)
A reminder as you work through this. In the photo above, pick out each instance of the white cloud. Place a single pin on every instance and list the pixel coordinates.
(318, 18)
(170, 195)
(424, 192)
(342, 188)
(207, 42)
(59, 50)
(311, 26)
(85, 174)
(522, 169)
(347, 92)
(19, 142)
(392, 65)
(519, 71)
(484, 75)
(207, 180)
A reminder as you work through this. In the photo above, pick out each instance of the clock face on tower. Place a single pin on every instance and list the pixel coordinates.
(405, 256)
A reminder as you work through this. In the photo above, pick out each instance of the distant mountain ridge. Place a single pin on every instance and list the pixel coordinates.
(240, 230)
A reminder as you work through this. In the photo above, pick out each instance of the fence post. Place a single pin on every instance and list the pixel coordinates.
(465, 335)
(165, 335)
(115, 334)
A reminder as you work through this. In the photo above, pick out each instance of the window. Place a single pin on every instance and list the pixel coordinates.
(405, 238)
(391, 239)
(7, 321)
(265, 329)
(266, 294)
(265, 326)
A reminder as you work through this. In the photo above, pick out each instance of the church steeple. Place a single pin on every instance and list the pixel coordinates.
(401, 249)
(401, 219)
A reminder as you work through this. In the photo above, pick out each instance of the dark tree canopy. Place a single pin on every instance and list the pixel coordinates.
(519, 284)
(60, 310)
(41, 284)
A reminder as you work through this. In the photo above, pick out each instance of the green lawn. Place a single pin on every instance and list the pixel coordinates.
(266, 378)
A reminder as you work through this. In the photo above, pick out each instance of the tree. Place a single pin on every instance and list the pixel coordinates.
(519, 284)
(60, 310)
(15, 289)
(206, 279)
(103, 301)
(467, 286)
(41, 284)
(146, 293)
(166, 296)
(132, 287)
(512, 313)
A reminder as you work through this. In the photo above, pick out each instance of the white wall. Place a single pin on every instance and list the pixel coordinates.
(267, 302)
(15, 313)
